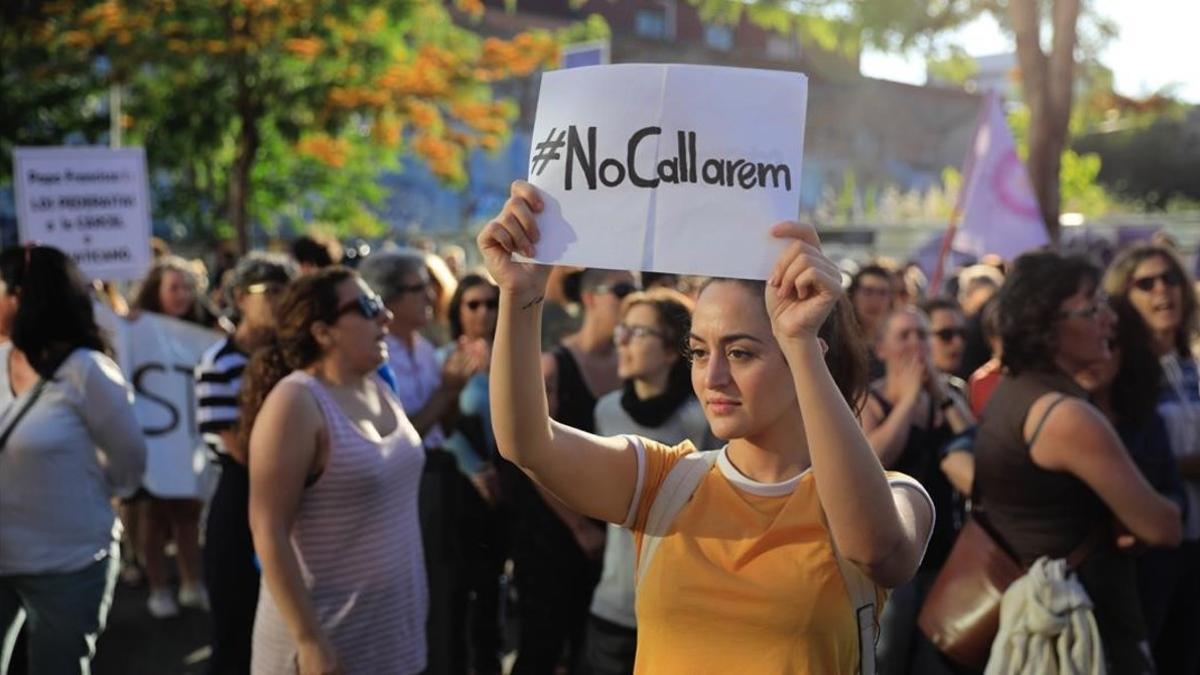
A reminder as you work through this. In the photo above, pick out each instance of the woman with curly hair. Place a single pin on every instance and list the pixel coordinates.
(334, 470)
(1150, 288)
(1051, 474)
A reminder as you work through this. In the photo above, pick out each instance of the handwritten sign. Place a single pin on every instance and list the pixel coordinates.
(91, 203)
(667, 168)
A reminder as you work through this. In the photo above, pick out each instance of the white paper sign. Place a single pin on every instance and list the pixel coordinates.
(91, 203)
(668, 168)
(159, 355)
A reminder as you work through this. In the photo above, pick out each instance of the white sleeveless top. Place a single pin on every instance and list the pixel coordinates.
(358, 539)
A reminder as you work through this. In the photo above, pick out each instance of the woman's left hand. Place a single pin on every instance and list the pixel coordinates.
(804, 285)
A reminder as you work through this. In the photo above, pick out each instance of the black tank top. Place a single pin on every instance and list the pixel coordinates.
(576, 403)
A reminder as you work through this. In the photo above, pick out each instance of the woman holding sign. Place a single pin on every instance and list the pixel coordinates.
(792, 530)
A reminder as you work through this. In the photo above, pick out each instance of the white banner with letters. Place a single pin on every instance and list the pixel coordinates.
(159, 355)
(668, 168)
(91, 203)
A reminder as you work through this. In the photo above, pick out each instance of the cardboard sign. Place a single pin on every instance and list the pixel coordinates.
(159, 355)
(668, 168)
(91, 203)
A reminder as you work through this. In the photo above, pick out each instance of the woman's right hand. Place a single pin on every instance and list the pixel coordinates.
(515, 230)
(913, 375)
(317, 657)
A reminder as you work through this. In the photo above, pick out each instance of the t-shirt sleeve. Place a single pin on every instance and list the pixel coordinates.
(107, 407)
(901, 481)
(654, 461)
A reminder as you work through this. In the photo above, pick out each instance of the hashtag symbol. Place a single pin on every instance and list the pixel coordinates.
(547, 150)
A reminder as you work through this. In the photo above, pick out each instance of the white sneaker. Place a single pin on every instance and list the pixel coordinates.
(162, 605)
(194, 596)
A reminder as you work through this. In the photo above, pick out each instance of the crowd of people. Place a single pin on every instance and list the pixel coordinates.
(424, 467)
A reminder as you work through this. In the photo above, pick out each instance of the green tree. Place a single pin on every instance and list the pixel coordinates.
(244, 103)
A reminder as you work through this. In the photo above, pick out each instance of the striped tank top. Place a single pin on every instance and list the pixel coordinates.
(358, 540)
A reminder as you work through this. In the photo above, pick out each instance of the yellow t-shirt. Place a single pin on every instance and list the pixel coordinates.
(745, 580)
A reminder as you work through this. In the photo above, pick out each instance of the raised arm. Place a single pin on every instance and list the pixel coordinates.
(590, 474)
(880, 529)
(1076, 438)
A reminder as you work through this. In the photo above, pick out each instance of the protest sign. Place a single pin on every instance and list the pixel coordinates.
(91, 203)
(159, 355)
(667, 168)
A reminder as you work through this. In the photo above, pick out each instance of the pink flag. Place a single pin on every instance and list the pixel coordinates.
(998, 210)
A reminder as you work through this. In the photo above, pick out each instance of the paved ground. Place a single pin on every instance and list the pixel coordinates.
(137, 644)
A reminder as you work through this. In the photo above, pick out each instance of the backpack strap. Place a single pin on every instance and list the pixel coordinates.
(677, 489)
(862, 600)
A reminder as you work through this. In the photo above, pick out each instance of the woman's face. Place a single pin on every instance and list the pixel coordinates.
(478, 311)
(1156, 292)
(1085, 328)
(413, 307)
(904, 336)
(603, 304)
(1099, 376)
(738, 371)
(359, 328)
(642, 351)
(175, 293)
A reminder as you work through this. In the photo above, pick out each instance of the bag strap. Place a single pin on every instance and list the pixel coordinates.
(862, 600)
(33, 397)
(677, 489)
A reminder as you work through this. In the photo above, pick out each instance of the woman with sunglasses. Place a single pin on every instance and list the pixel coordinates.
(1051, 474)
(334, 472)
(254, 289)
(910, 417)
(656, 400)
(1149, 285)
(746, 577)
(69, 442)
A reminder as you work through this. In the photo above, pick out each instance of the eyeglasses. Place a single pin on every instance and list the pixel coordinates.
(950, 334)
(473, 305)
(619, 289)
(367, 306)
(267, 288)
(873, 291)
(623, 333)
(1170, 279)
(1090, 312)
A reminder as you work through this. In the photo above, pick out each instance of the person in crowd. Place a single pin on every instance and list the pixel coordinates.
(655, 400)
(443, 282)
(473, 446)
(455, 258)
(560, 316)
(748, 571)
(69, 443)
(977, 284)
(312, 253)
(948, 330)
(1051, 474)
(170, 289)
(429, 392)
(985, 378)
(872, 294)
(910, 417)
(1150, 286)
(254, 288)
(651, 280)
(557, 551)
(334, 471)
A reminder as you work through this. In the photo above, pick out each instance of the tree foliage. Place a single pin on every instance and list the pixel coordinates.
(260, 110)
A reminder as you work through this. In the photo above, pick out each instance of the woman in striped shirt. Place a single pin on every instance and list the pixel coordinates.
(334, 470)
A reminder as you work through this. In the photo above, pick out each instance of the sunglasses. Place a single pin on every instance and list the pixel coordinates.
(620, 289)
(950, 334)
(624, 332)
(367, 306)
(1170, 279)
(473, 305)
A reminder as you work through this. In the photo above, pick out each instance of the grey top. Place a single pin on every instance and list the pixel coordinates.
(78, 446)
(614, 597)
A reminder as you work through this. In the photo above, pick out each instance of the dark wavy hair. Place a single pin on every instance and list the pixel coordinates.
(1119, 279)
(847, 354)
(1029, 304)
(465, 284)
(54, 314)
(1134, 390)
(308, 299)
